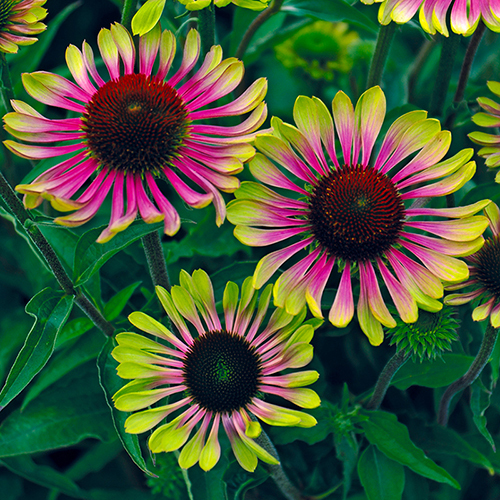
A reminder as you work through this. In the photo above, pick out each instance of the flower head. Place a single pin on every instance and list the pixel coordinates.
(464, 14)
(484, 282)
(355, 213)
(222, 372)
(312, 47)
(491, 142)
(18, 20)
(136, 128)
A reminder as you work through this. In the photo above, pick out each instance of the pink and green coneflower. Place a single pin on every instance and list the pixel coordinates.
(360, 211)
(464, 15)
(18, 21)
(484, 282)
(489, 118)
(217, 376)
(137, 128)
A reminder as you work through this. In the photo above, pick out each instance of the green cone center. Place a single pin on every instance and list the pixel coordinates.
(222, 371)
(135, 124)
(356, 213)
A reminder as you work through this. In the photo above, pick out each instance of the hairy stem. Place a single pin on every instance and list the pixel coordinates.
(384, 40)
(477, 366)
(128, 13)
(448, 52)
(206, 26)
(156, 260)
(273, 8)
(385, 377)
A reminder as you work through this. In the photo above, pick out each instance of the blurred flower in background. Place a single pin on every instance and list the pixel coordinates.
(491, 142)
(18, 21)
(135, 129)
(464, 15)
(320, 50)
(222, 372)
(351, 211)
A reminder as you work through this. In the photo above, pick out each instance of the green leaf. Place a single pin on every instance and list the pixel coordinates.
(381, 477)
(239, 481)
(479, 402)
(444, 440)
(110, 383)
(391, 438)
(86, 348)
(330, 10)
(50, 310)
(117, 303)
(42, 475)
(208, 485)
(90, 256)
(433, 374)
(69, 411)
(73, 329)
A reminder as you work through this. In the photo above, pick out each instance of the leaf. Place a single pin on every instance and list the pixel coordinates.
(208, 485)
(444, 440)
(117, 303)
(391, 438)
(69, 411)
(381, 477)
(73, 329)
(42, 475)
(330, 10)
(110, 383)
(90, 256)
(432, 373)
(239, 481)
(479, 402)
(50, 310)
(84, 349)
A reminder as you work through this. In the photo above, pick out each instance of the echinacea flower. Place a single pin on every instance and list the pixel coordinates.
(491, 142)
(18, 21)
(135, 129)
(217, 376)
(464, 15)
(352, 211)
(484, 282)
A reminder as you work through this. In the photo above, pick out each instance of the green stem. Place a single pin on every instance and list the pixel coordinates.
(156, 260)
(273, 8)
(53, 262)
(448, 52)
(477, 366)
(465, 71)
(206, 26)
(7, 89)
(385, 377)
(290, 492)
(384, 40)
(128, 13)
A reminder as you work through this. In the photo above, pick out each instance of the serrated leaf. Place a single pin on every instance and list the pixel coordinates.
(50, 309)
(432, 373)
(86, 348)
(381, 477)
(116, 304)
(69, 411)
(392, 438)
(110, 383)
(42, 475)
(90, 256)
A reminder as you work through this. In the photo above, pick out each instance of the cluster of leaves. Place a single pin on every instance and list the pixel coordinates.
(60, 436)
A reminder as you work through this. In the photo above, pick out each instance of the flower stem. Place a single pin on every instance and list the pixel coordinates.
(465, 71)
(477, 366)
(273, 8)
(53, 262)
(206, 26)
(156, 260)
(448, 52)
(128, 13)
(7, 89)
(385, 377)
(290, 492)
(384, 40)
